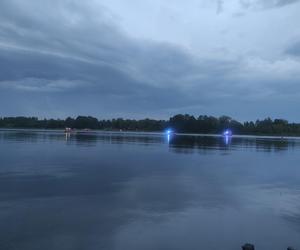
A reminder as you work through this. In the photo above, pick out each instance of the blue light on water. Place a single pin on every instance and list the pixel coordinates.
(227, 133)
(227, 140)
(169, 133)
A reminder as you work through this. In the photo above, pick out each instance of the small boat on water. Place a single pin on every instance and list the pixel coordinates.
(73, 130)
(69, 130)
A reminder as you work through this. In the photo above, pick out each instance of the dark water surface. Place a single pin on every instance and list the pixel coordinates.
(142, 192)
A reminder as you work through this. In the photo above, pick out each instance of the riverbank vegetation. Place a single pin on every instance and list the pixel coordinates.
(180, 123)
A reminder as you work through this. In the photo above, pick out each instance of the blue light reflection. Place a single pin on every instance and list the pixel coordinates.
(227, 140)
(227, 135)
(169, 133)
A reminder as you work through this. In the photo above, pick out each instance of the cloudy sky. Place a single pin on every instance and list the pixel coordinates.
(150, 58)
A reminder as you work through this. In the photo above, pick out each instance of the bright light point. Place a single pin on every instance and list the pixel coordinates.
(227, 133)
(169, 131)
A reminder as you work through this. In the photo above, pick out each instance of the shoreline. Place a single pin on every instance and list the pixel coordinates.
(157, 133)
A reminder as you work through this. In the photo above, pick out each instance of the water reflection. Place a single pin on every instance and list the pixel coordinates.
(175, 142)
(140, 191)
(227, 140)
(226, 143)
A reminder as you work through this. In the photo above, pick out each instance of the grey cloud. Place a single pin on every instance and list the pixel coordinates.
(62, 58)
(220, 4)
(293, 49)
(100, 62)
(79, 88)
(266, 4)
(282, 2)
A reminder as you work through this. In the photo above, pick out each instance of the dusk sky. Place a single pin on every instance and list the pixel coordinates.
(150, 58)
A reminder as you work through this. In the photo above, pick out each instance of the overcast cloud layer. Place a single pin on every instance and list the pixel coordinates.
(115, 58)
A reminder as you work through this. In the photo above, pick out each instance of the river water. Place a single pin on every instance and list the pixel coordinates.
(139, 191)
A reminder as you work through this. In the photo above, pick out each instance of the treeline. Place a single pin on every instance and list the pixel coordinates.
(83, 122)
(179, 123)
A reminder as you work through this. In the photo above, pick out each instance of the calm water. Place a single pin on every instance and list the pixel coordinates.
(142, 192)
